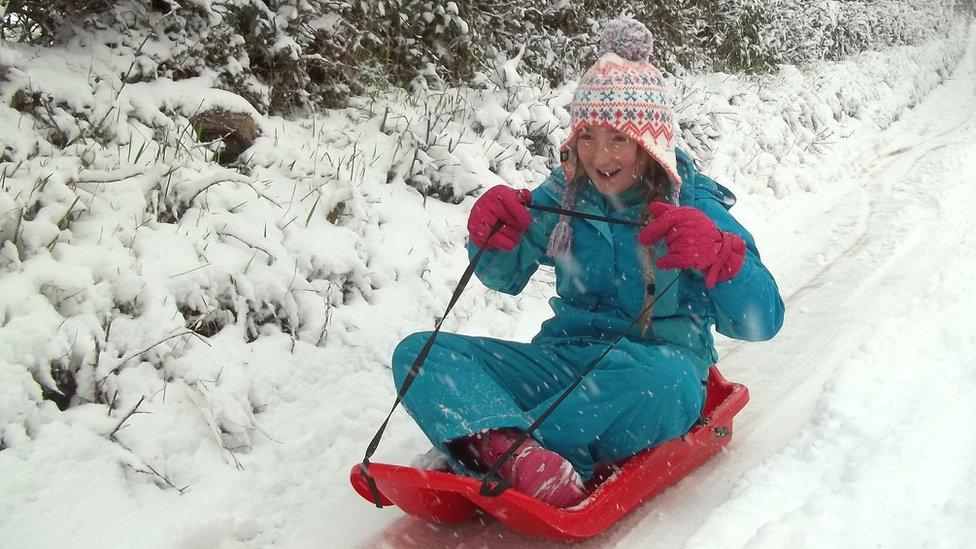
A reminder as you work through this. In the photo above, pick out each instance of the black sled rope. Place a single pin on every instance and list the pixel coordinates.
(500, 486)
(415, 368)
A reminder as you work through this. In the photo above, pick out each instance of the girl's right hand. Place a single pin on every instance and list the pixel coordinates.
(505, 204)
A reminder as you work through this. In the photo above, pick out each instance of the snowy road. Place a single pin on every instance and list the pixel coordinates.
(858, 430)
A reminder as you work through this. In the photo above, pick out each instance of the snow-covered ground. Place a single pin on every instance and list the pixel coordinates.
(856, 433)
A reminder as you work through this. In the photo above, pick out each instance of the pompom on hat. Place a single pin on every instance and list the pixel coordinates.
(625, 92)
(628, 38)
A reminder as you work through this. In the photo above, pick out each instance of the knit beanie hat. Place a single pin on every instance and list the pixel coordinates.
(625, 92)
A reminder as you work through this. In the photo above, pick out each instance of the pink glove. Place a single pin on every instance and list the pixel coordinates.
(500, 203)
(694, 242)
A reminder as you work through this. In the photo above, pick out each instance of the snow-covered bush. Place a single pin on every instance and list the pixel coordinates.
(800, 31)
(44, 22)
(288, 55)
(127, 250)
(744, 128)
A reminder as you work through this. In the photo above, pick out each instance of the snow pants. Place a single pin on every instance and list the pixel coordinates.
(638, 396)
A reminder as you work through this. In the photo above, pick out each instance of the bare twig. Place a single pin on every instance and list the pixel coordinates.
(207, 264)
(160, 342)
(111, 405)
(127, 416)
(248, 244)
(152, 471)
(104, 176)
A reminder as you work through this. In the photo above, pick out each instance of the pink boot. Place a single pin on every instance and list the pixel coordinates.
(533, 470)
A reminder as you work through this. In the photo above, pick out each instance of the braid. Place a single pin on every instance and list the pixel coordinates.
(659, 189)
(561, 238)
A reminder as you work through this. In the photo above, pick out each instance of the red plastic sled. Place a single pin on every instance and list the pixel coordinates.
(447, 498)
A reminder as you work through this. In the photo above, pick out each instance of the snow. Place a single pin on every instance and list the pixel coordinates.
(856, 178)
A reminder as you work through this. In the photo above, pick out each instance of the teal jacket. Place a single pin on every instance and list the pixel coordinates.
(601, 286)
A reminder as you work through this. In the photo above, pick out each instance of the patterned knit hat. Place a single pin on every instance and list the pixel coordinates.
(625, 92)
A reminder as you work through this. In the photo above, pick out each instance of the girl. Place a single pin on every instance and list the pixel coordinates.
(698, 266)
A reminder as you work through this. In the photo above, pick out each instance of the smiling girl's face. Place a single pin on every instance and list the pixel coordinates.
(613, 161)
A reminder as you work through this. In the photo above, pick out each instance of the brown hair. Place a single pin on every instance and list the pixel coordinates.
(660, 189)
(658, 183)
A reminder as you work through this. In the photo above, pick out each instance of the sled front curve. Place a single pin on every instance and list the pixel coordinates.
(444, 497)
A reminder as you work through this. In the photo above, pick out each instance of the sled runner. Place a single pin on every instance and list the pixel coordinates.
(444, 497)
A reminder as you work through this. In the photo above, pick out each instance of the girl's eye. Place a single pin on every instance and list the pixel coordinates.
(585, 137)
(621, 139)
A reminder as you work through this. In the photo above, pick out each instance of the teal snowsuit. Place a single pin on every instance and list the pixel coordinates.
(648, 389)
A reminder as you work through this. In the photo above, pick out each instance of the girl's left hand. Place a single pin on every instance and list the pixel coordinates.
(694, 242)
